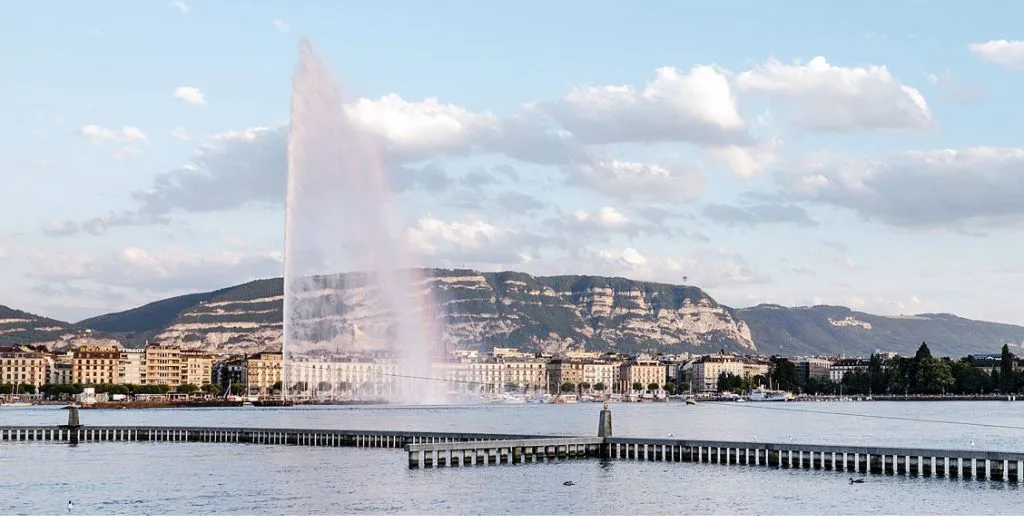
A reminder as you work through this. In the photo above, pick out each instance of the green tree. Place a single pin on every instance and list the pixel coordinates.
(237, 389)
(671, 387)
(584, 386)
(876, 374)
(783, 374)
(210, 388)
(1006, 373)
(187, 388)
(568, 387)
(599, 386)
(653, 386)
(323, 386)
(856, 382)
(637, 386)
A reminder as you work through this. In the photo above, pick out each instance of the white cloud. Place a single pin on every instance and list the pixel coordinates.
(162, 271)
(640, 181)
(838, 99)
(1008, 53)
(179, 133)
(708, 268)
(417, 130)
(472, 241)
(282, 26)
(966, 189)
(605, 219)
(189, 95)
(697, 107)
(98, 135)
(181, 6)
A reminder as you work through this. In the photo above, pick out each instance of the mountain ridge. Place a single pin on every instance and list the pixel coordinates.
(536, 313)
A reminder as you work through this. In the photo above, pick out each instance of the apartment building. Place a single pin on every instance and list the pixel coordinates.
(564, 370)
(641, 370)
(703, 372)
(262, 372)
(163, 365)
(94, 365)
(131, 367)
(846, 365)
(196, 368)
(602, 372)
(813, 367)
(19, 365)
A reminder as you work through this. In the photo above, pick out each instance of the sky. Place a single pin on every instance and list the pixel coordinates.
(861, 154)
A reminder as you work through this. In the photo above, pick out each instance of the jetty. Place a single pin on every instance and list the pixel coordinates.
(457, 449)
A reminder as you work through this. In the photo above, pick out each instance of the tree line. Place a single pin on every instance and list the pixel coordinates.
(922, 374)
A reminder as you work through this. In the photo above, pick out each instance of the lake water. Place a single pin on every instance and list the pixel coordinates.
(146, 478)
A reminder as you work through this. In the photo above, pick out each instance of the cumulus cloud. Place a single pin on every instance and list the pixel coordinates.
(640, 181)
(1008, 53)
(470, 241)
(129, 138)
(156, 271)
(840, 99)
(97, 135)
(758, 214)
(929, 189)
(282, 26)
(698, 106)
(708, 268)
(189, 95)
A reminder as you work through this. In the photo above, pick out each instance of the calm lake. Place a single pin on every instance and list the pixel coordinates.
(146, 478)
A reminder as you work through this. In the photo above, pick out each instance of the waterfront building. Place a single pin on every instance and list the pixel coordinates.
(163, 365)
(229, 370)
(478, 375)
(602, 372)
(262, 372)
(20, 365)
(358, 377)
(94, 365)
(812, 367)
(196, 368)
(702, 372)
(563, 371)
(522, 373)
(840, 367)
(131, 367)
(643, 370)
(60, 370)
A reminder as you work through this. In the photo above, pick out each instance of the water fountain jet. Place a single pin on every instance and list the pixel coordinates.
(342, 215)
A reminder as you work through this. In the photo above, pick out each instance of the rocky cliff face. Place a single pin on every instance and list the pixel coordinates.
(483, 310)
(478, 310)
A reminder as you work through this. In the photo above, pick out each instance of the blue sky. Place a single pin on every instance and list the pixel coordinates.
(859, 154)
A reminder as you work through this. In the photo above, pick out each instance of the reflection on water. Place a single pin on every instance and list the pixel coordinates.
(228, 478)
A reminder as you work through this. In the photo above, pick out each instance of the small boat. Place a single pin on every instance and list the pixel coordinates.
(762, 394)
(691, 401)
(15, 404)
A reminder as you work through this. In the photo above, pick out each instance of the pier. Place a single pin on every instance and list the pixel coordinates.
(451, 449)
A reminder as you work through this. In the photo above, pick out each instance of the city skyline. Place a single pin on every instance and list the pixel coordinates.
(790, 157)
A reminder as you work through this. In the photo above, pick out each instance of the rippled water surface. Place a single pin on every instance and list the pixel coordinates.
(146, 478)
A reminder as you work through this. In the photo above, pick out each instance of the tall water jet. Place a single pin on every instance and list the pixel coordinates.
(370, 334)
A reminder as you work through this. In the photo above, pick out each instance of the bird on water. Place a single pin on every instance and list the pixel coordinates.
(70, 506)
(568, 483)
(856, 480)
